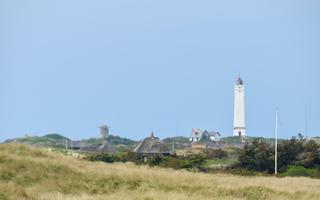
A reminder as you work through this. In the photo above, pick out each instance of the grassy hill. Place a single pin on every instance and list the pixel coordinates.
(32, 173)
(51, 140)
(58, 141)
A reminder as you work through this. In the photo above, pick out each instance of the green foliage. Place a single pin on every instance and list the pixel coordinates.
(55, 136)
(170, 162)
(155, 160)
(311, 155)
(289, 151)
(194, 162)
(130, 156)
(51, 140)
(235, 140)
(256, 156)
(55, 140)
(259, 155)
(121, 144)
(104, 157)
(116, 140)
(215, 153)
(301, 171)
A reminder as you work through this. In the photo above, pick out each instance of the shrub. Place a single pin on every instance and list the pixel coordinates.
(311, 155)
(130, 156)
(194, 162)
(257, 156)
(289, 152)
(104, 157)
(170, 162)
(215, 153)
(155, 160)
(301, 171)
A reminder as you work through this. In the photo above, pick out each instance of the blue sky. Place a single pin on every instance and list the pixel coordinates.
(163, 66)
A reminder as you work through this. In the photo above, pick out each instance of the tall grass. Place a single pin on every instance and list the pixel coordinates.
(30, 173)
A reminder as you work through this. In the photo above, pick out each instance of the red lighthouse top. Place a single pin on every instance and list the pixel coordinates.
(239, 81)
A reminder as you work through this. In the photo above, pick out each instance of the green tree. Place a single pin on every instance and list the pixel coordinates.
(257, 156)
(311, 154)
(289, 152)
(215, 153)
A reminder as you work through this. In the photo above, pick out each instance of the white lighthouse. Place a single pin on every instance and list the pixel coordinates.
(239, 128)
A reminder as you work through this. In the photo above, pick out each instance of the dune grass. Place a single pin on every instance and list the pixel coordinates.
(30, 173)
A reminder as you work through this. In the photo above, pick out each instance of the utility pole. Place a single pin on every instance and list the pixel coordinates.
(306, 120)
(173, 147)
(276, 147)
(66, 145)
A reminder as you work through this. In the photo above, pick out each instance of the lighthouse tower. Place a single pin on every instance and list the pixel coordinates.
(239, 128)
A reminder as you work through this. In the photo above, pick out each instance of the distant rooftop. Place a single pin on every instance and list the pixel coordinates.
(151, 145)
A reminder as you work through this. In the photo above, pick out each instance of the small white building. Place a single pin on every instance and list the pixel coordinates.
(199, 135)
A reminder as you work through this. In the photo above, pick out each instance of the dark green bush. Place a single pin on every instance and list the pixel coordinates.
(289, 152)
(215, 153)
(257, 156)
(311, 154)
(170, 162)
(130, 156)
(193, 162)
(104, 157)
(155, 160)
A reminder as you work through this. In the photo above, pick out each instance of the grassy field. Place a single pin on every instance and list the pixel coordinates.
(31, 173)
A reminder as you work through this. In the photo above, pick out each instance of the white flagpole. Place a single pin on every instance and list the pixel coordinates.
(306, 120)
(276, 146)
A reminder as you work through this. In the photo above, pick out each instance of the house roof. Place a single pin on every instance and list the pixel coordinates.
(83, 146)
(196, 133)
(213, 133)
(105, 147)
(75, 144)
(151, 145)
(88, 148)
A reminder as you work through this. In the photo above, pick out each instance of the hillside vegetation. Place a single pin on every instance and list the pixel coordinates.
(30, 173)
(51, 140)
(55, 140)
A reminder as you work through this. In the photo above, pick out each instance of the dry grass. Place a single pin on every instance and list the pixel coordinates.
(29, 173)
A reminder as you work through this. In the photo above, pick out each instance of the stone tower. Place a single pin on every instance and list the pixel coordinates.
(239, 128)
(104, 131)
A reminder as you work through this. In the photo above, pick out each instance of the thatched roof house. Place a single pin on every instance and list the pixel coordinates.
(105, 147)
(83, 146)
(151, 145)
(75, 144)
